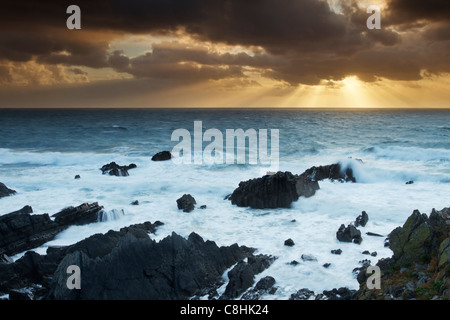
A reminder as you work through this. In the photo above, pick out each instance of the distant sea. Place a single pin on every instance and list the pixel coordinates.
(41, 151)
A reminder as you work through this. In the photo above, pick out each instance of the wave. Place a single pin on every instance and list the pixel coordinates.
(377, 173)
(408, 153)
(50, 158)
(112, 215)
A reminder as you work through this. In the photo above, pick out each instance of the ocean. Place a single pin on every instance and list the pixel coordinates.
(41, 151)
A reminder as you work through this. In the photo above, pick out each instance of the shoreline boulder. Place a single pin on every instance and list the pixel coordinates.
(278, 190)
(186, 202)
(162, 156)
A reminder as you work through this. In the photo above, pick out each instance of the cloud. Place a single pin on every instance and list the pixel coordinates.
(294, 42)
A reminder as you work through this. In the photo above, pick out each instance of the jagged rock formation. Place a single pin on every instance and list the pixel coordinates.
(113, 169)
(137, 267)
(186, 203)
(420, 265)
(5, 191)
(20, 230)
(273, 191)
(33, 273)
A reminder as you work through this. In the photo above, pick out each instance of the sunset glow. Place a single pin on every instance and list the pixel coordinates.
(306, 54)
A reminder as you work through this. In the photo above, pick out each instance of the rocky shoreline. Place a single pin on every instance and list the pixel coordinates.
(128, 264)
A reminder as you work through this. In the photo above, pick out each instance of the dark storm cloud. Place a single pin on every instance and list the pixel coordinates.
(407, 11)
(300, 41)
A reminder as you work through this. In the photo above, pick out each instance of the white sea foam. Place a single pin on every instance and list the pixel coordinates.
(45, 180)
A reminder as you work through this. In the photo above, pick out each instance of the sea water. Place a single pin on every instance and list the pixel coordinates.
(41, 151)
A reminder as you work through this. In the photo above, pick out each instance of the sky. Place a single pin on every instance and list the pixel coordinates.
(225, 53)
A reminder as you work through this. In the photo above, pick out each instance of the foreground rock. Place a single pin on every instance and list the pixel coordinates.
(5, 191)
(140, 268)
(20, 230)
(241, 277)
(113, 169)
(342, 293)
(273, 191)
(420, 265)
(162, 156)
(33, 273)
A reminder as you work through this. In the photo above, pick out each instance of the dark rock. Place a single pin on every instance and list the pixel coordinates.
(366, 252)
(349, 234)
(33, 272)
(413, 242)
(289, 242)
(203, 206)
(186, 202)
(362, 219)
(263, 286)
(135, 203)
(138, 268)
(338, 294)
(241, 277)
(20, 230)
(294, 262)
(5, 191)
(83, 214)
(5, 259)
(373, 234)
(302, 294)
(306, 187)
(409, 182)
(337, 251)
(162, 156)
(19, 295)
(273, 191)
(326, 265)
(77, 176)
(113, 169)
(332, 172)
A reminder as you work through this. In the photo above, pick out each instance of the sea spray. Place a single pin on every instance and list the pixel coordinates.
(110, 215)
